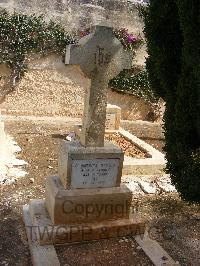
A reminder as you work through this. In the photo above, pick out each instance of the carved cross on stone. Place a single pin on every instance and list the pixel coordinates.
(101, 57)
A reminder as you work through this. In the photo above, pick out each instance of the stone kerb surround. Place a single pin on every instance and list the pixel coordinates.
(154, 165)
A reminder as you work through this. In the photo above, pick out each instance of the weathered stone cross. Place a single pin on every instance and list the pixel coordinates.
(101, 57)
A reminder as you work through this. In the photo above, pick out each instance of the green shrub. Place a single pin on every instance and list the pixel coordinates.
(172, 32)
(21, 35)
(136, 82)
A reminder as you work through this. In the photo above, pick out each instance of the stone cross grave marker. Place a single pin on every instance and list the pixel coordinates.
(89, 173)
(101, 56)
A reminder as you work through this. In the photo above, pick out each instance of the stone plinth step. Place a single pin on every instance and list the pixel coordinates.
(48, 233)
(86, 205)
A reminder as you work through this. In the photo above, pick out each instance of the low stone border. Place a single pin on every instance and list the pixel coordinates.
(154, 165)
(144, 129)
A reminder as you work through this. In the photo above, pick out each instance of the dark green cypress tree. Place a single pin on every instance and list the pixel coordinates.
(183, 152)
(172, 33)
(164, 42)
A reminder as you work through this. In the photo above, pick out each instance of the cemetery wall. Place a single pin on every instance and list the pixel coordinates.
(79, 14)
(75, 14)
(51, 88)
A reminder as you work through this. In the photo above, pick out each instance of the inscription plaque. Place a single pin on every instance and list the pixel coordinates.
(110, 121)
(97, 173)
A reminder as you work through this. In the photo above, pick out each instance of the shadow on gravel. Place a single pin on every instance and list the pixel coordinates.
(13, 244)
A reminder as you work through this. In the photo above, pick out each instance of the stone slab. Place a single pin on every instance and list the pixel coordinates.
(148, 187)
(88, 167)
(154, 251)
(86, 205)
(47, 233)
(40, 255)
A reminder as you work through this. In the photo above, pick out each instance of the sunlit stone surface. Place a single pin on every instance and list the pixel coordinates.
(10, 166)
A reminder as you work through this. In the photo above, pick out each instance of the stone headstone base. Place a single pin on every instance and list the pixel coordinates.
(86, 205)
(89, 167)
(46, 233)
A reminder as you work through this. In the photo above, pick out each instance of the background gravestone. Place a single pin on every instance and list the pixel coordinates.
(113, 118)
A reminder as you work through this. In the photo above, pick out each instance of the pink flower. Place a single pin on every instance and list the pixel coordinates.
(131, 38)
(83, 33)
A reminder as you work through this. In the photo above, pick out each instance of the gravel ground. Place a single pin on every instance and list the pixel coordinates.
(128, 148)
(171, 221)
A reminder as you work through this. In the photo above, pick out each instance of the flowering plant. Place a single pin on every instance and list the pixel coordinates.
(129, 41)
(83, 33)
